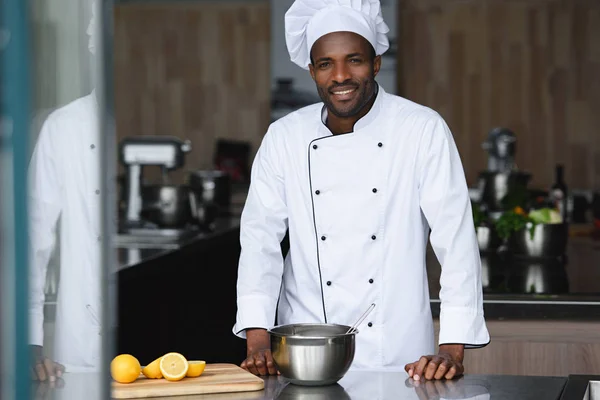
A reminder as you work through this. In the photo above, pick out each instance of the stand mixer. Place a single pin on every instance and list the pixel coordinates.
(502, 175)
(501, 148)
(135, 154)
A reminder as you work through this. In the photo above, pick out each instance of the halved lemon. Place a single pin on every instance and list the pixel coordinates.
(152, 370)
(196, 368)
(173, 366)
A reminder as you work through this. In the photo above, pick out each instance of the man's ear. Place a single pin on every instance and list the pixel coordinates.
(376, 65)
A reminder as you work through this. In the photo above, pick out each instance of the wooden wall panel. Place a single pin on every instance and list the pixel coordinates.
(530, 65)
(196, 70)
(536, 348)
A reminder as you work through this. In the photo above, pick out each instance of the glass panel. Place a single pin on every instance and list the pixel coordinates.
(52, 200)
(14, 111)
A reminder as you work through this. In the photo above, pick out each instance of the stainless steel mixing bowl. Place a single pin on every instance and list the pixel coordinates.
(312, 354)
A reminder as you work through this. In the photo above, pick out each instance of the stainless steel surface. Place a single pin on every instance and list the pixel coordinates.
(137, 152)
(593, 391)
(153, 237)
(167, 206)
(494, 186)
(361, 319)
(549, 240)
(356, 385)
(211, 187)
(501, 148)
(329, 392)
(487, 238)
(312, 354)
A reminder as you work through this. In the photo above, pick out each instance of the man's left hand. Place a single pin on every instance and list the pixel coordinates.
(447, 364)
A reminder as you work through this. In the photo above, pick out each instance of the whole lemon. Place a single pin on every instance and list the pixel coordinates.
(125, 368)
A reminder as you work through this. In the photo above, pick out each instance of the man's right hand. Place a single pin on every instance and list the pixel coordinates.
(42, 368)
(259, 360)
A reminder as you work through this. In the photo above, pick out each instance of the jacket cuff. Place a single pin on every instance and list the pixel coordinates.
(462, 325)
(254, 312)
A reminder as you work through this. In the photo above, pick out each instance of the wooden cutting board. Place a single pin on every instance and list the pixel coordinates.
(216, 378)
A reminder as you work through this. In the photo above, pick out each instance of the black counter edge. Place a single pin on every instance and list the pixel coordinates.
(534, 311)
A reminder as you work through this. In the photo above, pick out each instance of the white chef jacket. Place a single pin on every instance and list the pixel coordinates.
(65, 194)
(359, 207)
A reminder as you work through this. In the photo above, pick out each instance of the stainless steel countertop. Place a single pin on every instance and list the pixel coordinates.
(356, 385)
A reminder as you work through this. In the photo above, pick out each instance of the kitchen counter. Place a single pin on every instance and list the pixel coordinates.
(134, 254)
(368, 385)
(536, 288)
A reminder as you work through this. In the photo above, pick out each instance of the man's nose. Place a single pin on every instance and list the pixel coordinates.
(341, 73)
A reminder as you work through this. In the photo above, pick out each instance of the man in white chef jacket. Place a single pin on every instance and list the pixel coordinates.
(358, 180)
(64, 196)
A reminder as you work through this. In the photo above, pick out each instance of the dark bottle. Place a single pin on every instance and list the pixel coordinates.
(559, 193)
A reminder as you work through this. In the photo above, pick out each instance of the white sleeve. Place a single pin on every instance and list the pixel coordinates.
(445, 202)
(264, 223)
(44, 210)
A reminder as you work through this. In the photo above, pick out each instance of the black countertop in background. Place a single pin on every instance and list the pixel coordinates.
(566, 288)
(136, 254)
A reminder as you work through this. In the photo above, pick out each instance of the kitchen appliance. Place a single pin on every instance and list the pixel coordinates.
(501, 148)
(501, 176)
(216, 378)
(495, 186)
(212, 188)
(312, 354)
(167, 206)
(154, 210)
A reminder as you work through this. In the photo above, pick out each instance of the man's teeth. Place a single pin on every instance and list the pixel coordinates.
(344, 92)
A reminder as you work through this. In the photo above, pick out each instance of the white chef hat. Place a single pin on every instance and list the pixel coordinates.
(308, 20)
(92, 30)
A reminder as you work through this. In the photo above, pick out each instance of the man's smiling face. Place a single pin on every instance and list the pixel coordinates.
(344, 66)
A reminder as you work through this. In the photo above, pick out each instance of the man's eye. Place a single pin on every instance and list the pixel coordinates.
(324, 65)
(355, 60)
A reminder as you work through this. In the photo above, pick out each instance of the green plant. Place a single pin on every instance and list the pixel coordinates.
(512, 221)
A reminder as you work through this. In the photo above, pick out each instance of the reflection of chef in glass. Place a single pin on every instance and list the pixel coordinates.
(65, 197)
(358, 181)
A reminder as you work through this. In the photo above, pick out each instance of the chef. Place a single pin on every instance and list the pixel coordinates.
(360, 181)
(64, 198)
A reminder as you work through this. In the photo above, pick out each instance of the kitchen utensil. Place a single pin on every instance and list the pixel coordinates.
(549, 240)
(168, 206)
(204, 213)
(312, 354)
(217, 378)
(487, 238)
(361, 319)
(494, 186)
(212, 187)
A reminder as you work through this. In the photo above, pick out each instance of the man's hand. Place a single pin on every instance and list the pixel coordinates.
(43, 369)
(259, 360)
(447, 364)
